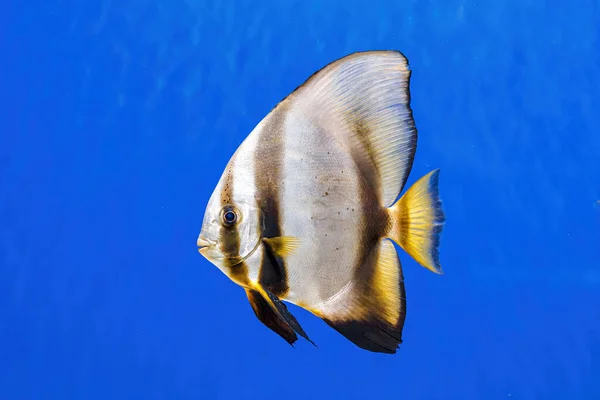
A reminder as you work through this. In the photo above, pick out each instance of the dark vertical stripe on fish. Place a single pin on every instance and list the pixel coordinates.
(371, 332)
(374, 218)
(268, 166)
(230, 236)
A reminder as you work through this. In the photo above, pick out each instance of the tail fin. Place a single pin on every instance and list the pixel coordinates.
(417, 222)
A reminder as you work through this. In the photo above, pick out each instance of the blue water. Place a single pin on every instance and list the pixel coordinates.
(117, 118)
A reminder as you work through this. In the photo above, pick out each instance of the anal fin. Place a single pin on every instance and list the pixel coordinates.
(369, 335)
(267, 316)
(371, 313)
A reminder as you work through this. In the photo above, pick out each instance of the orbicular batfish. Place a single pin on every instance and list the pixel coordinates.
(307, 207)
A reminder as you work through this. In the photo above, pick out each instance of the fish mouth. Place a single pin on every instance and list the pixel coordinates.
(204, 244)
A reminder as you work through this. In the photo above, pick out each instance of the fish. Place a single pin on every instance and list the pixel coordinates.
(308, 208)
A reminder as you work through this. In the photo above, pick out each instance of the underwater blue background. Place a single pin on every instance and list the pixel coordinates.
(118, 117)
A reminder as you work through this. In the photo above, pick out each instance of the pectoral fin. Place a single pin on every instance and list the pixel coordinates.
(282, 246)
(267, 316)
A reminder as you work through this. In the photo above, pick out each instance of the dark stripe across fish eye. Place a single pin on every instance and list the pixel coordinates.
(229, 235)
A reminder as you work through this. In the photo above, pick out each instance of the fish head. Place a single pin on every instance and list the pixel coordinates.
(231, 228)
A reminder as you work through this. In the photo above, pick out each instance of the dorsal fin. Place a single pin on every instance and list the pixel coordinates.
(364, 100)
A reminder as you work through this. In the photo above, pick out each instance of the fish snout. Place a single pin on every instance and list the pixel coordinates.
(203, 243)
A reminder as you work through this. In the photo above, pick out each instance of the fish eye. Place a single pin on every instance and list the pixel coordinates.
(229, 215)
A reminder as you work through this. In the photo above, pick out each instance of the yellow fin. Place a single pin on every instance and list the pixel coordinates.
(370, 313)
(283, 245)
(418, 220)
(387, 283)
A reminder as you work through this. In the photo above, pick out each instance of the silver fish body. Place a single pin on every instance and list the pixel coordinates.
(306, 210)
